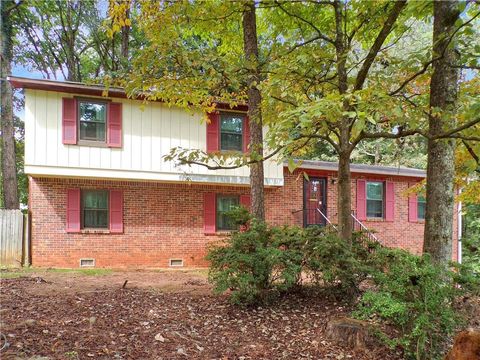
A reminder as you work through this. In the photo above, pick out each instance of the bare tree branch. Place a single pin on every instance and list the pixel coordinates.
(377, 45)
(317, 30)
(428, 63)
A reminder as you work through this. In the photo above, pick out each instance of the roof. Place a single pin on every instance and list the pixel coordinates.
(72, 87)
(362, 168)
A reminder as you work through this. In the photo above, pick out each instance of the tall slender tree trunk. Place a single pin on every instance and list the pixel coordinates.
(250, 45)
(9, 171)
(440, 168)
(344, 201)
(344, 204)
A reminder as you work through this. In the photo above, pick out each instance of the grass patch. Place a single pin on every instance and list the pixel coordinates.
(12, 273)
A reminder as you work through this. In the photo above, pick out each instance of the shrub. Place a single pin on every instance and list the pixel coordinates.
(332, 262)
(416, 296)
(252, 263)
(264, 260)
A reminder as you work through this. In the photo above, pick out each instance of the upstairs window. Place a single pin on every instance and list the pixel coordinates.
(91, 122)
(231, 132)
(421, 203)
(375, 199)
(92, 117)
(95, 209)
(224, 205)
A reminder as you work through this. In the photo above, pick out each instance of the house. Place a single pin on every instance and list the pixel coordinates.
(101, 193)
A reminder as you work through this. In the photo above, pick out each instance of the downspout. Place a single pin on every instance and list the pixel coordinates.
(459, 226)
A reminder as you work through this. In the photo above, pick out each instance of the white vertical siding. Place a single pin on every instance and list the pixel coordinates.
(149, 132)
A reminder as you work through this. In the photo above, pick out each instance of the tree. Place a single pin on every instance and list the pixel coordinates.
(9, 174)
(359, 80)
(325, 69)
(250, 45)
(441, 165)
(194, 60)
(69, 39)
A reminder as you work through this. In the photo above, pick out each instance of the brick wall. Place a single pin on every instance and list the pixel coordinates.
(165, 221)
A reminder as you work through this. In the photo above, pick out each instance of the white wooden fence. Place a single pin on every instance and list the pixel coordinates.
(14, 238)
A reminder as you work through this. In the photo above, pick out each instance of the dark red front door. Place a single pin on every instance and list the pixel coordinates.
(314, 199)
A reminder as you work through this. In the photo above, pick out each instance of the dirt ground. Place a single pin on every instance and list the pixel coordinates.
(158, 315)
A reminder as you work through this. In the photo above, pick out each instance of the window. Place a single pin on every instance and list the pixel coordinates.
(224, 205)
(231, 132)
(95, 209)
(375, 199)
(92, 118)
(421, 203)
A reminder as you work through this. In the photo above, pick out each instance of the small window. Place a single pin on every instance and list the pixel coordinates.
(375, 199)
(95, 209)
(421, 203)
(176, 262)
(231, 132)
(224, 205)
(92, 117)
(87, 262)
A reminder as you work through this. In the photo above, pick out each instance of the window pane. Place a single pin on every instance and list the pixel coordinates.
(92, 112)
(421, 207)
(95, 199)
(95, 208)
(92, 131)
(231, 142)
(232, 123)
(375, 190)
(95, 219)
(92, 121)
(225, 204)
(375, 208)
(231, 132)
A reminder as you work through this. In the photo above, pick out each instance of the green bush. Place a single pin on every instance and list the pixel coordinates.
(471, 239)
(245, 264)
(263, 260)
(414, 295)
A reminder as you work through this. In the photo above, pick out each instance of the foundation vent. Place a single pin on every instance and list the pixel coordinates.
(176, 262)
(87, 262)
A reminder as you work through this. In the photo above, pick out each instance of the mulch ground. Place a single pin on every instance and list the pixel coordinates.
(150, 323)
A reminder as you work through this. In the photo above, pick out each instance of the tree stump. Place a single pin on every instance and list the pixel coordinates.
(351, 333)
(466, 346)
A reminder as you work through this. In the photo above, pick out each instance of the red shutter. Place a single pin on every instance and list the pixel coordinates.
(245, 201)
(389, 200)
(69, 121)
(73, 210)
(246, 134)
(361, 199)
(209, 213)
(114, 125)
(412, 207)
(116, 211)
(213, 135)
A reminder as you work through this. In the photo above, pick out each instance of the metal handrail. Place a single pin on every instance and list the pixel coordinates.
(364, 228)
(326, 219)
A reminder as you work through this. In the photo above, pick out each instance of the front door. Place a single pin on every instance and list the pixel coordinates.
(314, 197)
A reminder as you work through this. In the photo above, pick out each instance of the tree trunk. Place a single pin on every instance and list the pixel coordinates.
(250, 46)
(9, 171)
(344, 199)
(125, 39)
(441, 166)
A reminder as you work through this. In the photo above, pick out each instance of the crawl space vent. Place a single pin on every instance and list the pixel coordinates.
(87, 262)
(176, 262)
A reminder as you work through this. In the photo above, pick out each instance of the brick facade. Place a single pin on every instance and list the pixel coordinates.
(164, 221)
